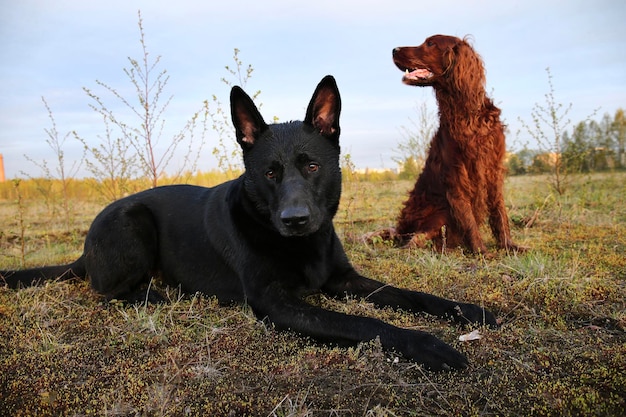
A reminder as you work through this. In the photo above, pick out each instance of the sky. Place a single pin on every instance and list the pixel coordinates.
(52, 50)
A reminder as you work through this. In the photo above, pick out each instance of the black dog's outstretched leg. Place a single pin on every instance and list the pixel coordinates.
(290, 313)
(382, 295)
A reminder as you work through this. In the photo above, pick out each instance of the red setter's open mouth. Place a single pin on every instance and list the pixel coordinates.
(420, 74)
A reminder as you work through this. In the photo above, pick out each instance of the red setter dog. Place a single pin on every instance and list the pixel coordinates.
(462, 180)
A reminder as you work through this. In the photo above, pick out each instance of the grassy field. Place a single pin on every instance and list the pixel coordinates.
(561, 350)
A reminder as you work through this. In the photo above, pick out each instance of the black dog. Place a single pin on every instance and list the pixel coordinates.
(266, 238)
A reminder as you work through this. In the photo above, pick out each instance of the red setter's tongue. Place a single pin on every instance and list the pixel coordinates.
(418, 74)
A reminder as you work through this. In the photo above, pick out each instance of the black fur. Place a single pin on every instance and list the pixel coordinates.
(266, 238)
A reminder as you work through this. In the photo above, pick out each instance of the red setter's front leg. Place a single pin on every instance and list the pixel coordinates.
(462, 212)
(458, 193)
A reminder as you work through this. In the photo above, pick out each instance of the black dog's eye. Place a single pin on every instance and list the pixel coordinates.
(270, 174)
(313, 167)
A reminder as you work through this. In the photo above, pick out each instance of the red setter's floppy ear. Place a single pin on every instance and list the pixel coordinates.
(449, 60)
(468, 75)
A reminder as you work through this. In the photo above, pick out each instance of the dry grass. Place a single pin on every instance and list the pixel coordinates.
(561, 350)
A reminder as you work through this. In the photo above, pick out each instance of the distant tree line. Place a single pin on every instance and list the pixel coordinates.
(591, 146)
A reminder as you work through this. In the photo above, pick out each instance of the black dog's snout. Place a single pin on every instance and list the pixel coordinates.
(295, 216)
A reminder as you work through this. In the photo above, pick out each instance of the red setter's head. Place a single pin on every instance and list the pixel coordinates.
(444, 62)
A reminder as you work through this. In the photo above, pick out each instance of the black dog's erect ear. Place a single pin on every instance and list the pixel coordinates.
(248, 122)
(324, 108)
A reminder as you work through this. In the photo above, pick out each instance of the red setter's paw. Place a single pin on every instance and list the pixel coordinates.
(382, 235)
(418, 240)
(512, 247)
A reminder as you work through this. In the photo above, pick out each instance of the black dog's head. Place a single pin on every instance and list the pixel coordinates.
(292, 169)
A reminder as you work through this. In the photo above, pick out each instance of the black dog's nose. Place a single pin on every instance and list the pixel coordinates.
(395, 51)
(295, 216)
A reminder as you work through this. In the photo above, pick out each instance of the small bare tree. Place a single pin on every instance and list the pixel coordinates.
(111, 162)
(137, 146)
(61, 172)
(413, 149)
(549, 124)
(227, 152)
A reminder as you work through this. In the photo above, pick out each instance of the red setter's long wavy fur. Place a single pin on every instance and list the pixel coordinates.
(462, 181)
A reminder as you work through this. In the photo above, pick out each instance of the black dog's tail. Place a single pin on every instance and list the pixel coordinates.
(35, 276)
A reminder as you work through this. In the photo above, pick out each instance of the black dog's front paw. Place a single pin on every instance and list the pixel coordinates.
(431, 352)
(466, 314)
